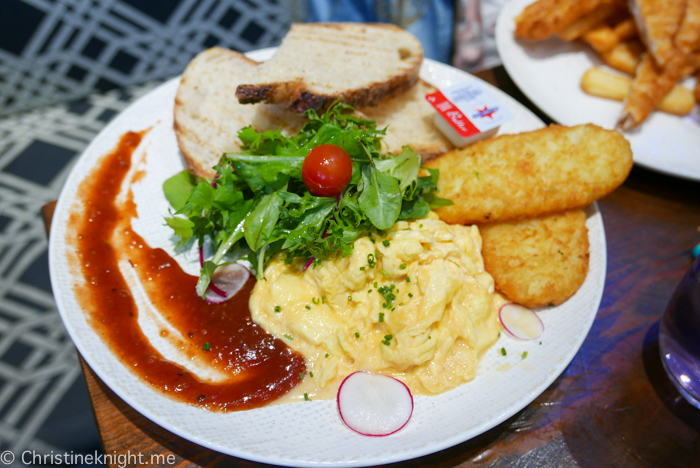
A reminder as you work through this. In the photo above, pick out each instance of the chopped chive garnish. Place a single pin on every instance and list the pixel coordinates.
(375, 284)
(357, 334)
(308, 306)
(386, 243)
(499, 334)
(289, 337)
(369, 291)
(206, 346)
(323, 299)
(301, 377)
(420, 225)
(540, 342)
(315, 300)
(410, 295)
(311, 374)
(372, 240)
(384, 272)
(524, 354)
(371, 260)
(503, 351)
(389, 295)
(306, 396)
(349, 298)
(278, 309)
(403, 266)
(387, 340)
(362, 268)
(381, 316)
(327, 355)
(408, 280)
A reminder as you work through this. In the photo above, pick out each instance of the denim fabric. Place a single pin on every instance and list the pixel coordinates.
(431, 21)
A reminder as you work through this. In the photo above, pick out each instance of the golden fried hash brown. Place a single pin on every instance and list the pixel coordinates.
(532, 173)
(539, 261)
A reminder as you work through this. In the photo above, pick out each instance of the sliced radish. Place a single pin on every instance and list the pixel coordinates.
(225, 282)
(374, 404)
(521, 322)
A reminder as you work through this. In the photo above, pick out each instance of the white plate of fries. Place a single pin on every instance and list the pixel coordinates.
(553, 72)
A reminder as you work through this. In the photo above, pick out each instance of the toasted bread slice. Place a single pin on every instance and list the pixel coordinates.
(658, 22)
(318, 63)
(208, 116)
(408, 119)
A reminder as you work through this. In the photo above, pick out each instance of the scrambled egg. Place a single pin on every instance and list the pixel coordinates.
(415, 303)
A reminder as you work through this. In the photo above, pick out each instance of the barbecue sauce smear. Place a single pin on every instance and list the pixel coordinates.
(223, 336)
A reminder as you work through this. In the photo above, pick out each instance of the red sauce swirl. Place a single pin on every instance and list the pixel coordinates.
(261, 367)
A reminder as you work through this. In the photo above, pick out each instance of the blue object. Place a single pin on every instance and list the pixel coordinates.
(431, 21)
(696, 251)
(679, 336)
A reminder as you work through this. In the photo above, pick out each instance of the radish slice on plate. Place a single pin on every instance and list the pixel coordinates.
(521, 322)
(226, 281)
(374, 404)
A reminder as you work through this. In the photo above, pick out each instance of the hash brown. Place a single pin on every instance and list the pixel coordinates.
(545, 171)
(539, 261)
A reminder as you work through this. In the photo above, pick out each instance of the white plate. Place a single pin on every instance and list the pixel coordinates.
(311, 433)
(549, 73)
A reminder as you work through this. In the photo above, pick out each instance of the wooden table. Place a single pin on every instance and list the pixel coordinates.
(613, 406)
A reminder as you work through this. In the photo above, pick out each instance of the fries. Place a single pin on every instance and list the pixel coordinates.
(604, 84)
(602, 38)
(580, 27)
(611, 30)
(606, 38)
(626, 29)
(625, 56)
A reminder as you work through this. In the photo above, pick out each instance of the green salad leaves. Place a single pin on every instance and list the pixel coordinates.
(258, 206)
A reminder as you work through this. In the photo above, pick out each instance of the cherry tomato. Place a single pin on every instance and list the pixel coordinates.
(327, 170)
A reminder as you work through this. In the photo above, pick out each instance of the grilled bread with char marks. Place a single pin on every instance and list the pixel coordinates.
(318, 63)
(208, 116)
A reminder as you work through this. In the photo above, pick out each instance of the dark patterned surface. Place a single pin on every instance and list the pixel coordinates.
(51, 51)
(43, 399)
